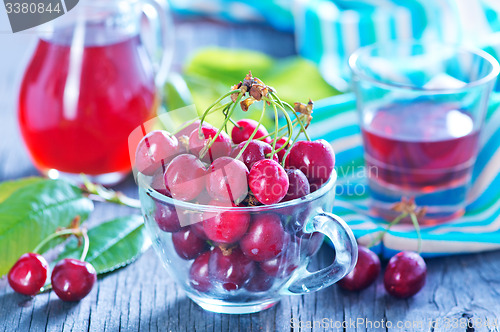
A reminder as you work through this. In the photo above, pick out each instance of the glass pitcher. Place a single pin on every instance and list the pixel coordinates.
(90, 82)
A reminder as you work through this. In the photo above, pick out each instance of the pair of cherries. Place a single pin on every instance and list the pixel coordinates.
(404, 275)
(71, 279)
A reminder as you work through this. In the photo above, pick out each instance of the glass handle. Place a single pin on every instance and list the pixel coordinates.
(164, 51)
(346, 255)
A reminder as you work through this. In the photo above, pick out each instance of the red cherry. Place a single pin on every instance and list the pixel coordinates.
(279, 144)
(231, 268)
(298, 185)
(196, 222)
(155, 151)
(405, 274)
(298, 215)
(203, 198)
(187, 244)
(199, 231)
(187, 130)
(364, 273)
(244, 129)
(280, 267)
(73, 279)
(264, 239)
(166, 218)
(255, 151)
(225, 226)
(227, 180)
(259, 282)
(294, 216)
(198, 273)
(315, 159)
(268, 181)
(29, 273)
(185, 177)
(158, 183)
(283, 265)
(220, 148)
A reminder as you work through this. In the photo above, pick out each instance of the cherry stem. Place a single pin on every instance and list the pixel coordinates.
(381, 235)
(97, 192)
(287, 151)
(213, 104)
(76, 232)
(282, 104)
(417, 229)
(299, 120)
(294, 124)
(290, 126)
(275, 130)
(86, 244)
(204, 151)
(297, 137)
(226, 117)
(283, 146)
(303, 129)
(190, 122)
(289, 121)
(44, 289)
(235, 124)
(184, 126)
(254, 131)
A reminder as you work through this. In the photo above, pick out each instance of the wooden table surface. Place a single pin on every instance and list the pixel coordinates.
(143, 297)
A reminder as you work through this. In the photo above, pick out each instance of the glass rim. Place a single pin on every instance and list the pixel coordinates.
(329, 185)
(354, 57)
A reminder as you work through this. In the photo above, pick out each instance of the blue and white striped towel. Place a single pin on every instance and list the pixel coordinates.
(276, 13)
(336, 120)
(328, 31)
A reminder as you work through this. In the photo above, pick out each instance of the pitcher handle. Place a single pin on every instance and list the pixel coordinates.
(165, 41)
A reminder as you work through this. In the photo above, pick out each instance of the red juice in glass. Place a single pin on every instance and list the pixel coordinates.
(420, 146)
(77, 105)
(422, 150)
(422, 107)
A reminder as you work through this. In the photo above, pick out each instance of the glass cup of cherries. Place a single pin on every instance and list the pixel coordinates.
(235, 215)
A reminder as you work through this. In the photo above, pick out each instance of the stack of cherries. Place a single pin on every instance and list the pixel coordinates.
(235, 249)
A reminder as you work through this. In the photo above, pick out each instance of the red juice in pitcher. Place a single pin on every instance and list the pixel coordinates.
(78, 104)
(419, 146)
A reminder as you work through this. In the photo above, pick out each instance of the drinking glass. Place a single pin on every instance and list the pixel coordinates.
(89, 83)
(240, 285)
(421, 109)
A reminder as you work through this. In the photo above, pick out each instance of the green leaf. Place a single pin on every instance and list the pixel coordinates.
(7, 188)
(34, 211)
(297, 79)
(113, 244)
(228, 65)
